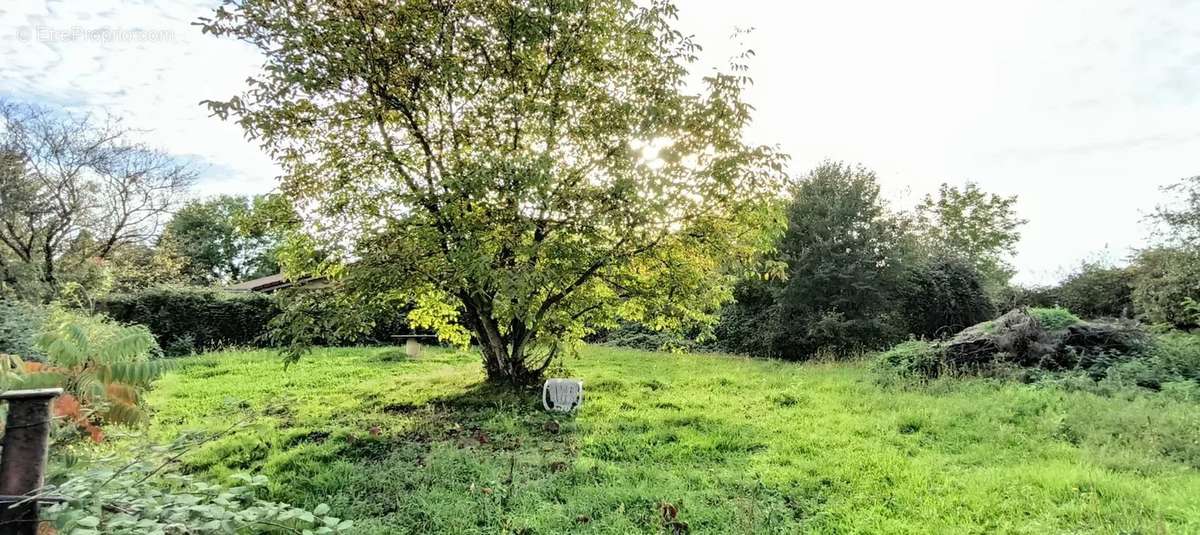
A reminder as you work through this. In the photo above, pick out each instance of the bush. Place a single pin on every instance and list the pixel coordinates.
(101, 366)
(1179, 353)
(1164, 280)
(748, 324)
(1172, 359)
(1095, 291)
(943, 297)
(19, 326)
(638, 336)
(186, 320)
(914, 358)
(1025, 297)
(95, 329)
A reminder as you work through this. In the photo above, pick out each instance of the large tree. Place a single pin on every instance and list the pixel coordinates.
(846, 253)
(217, 247)
(523, 171)
(973, 225)
(74, 189)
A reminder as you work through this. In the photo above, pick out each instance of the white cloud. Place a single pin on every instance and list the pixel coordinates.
(144, 62)
(1081, 107)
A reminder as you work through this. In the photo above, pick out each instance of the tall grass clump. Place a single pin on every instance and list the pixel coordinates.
(914, 359)
(1054, 319)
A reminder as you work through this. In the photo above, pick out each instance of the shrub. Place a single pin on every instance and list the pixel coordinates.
(1164, 279)
(1022, 296)
(186, 320)
(101, 366)
(1179, 354)
(1096, 291)
(914, 358)
(1191, 308)
(95, 329)
(748, 324)
(638, 336)
(19, 325)
(943, 297)
(1171, 363)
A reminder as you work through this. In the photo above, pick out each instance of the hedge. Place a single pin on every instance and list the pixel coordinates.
(19, 325)
(187, 320)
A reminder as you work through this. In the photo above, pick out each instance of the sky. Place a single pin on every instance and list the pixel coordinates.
(1081, 108)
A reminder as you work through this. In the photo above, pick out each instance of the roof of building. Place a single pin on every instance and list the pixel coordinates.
(269, 283)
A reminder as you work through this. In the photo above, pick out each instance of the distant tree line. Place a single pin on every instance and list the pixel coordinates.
(859, 276)
(92, 219)
(77, 193)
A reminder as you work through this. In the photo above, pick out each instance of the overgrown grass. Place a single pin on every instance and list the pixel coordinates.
(735, 445)
(1054, 319)
(1051, 319)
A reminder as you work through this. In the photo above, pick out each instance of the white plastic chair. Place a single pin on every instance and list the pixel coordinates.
(562, 395)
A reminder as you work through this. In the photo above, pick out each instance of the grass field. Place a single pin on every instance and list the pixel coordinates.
(734, 445)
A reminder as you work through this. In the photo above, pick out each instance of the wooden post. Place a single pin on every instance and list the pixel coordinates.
(23, 461)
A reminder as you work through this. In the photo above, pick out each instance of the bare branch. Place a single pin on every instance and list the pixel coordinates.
(76, 187)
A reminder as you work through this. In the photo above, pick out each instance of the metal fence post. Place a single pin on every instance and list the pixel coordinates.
(23, 461)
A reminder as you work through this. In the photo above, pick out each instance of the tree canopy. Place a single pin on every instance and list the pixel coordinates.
(1165, 281)
(74, 190)
(216, 243)
(521, 171)
(973, 225)
(845, 253)
(1179, 221)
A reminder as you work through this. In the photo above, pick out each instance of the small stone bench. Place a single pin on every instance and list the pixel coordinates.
(412, 343)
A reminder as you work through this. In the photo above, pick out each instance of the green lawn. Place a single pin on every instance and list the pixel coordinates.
(736, 445)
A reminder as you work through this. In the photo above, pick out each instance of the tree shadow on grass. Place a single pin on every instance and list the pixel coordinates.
(460, 462)
(488, 458)
(484, 415)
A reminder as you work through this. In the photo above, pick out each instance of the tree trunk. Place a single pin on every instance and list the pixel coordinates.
(501, 367)
(503, 354)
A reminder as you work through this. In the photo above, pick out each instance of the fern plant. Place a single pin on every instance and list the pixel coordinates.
(1192, 308)
(101, 366)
